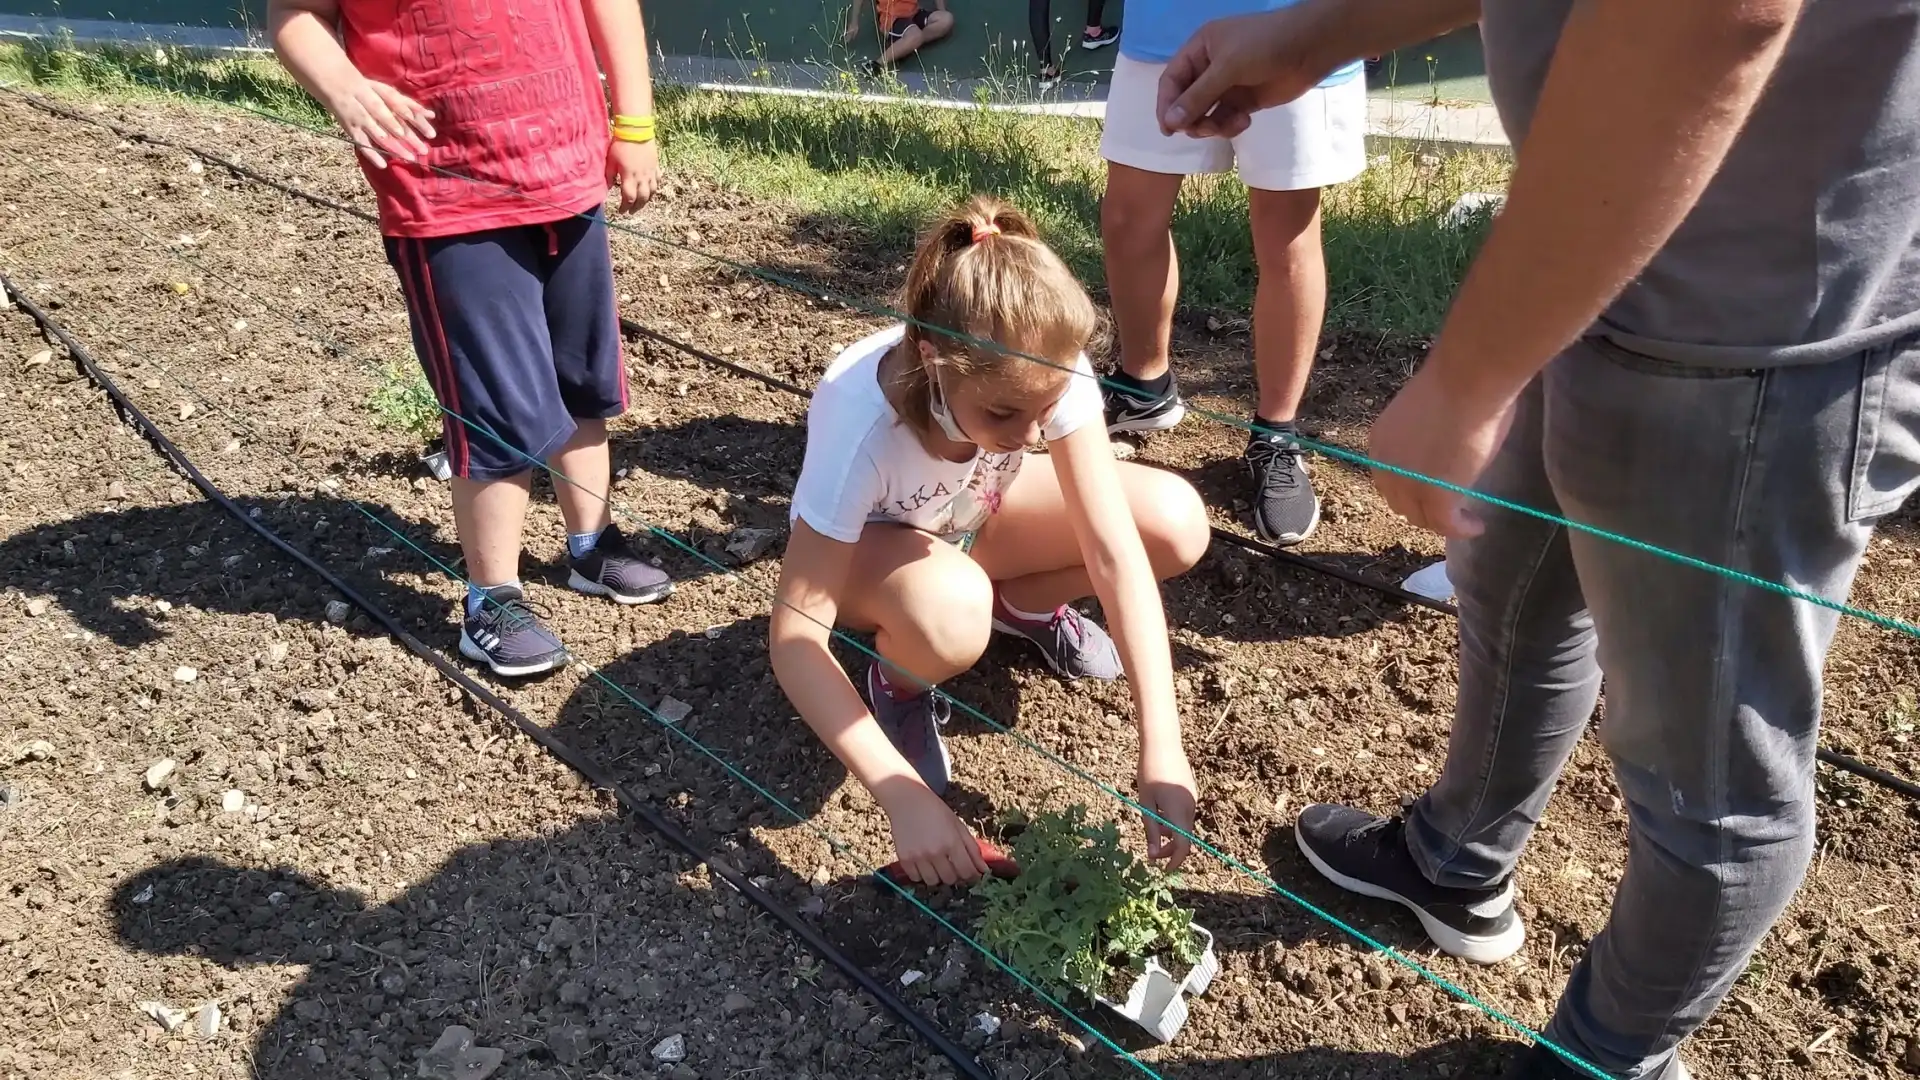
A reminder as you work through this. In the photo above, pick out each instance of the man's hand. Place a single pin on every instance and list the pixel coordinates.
(1433, 429)
(382, 121)
(635, 169)
(1167, 788)
(1232, 68)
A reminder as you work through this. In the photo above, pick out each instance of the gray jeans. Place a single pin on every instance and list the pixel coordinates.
(1713, 686)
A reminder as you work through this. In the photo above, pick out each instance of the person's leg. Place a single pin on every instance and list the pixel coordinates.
(475, 303)
(583, 324)
(1286, 157)
(1143, 273)
(1713, 685)
(1040, 28)
(1029, 550)
(1290, 299)
(922, 33)
(930, 610)
(1528, 684)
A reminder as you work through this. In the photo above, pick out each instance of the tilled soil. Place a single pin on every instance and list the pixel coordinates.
(400, 861)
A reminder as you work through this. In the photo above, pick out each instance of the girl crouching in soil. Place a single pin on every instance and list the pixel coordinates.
(920, 516)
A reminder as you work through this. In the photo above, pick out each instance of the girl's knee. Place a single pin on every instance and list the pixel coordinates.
(954, 614)
(1173, 525)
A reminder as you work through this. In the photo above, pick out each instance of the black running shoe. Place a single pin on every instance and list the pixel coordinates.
(913, 726)
(508, 636)
(1368, 855)
(1129, 409)
(614, 571)
(1539, 1063)
(1106, 36)
(1285, 508)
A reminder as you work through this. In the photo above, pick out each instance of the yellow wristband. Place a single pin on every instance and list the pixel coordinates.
(633, 135)
(623, 120)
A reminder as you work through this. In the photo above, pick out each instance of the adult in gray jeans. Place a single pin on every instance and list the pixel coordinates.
(1697, 323)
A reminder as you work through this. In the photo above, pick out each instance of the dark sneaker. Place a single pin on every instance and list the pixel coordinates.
(1049, 76)
(1135, 410)
(1368, 855)
(507, 635)
(913, 726)
(1285, 508)
(1539, 1063)
(1073, 645)
(1107, 36)
(613, 570)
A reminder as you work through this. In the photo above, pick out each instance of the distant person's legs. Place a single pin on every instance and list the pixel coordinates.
(908, 36)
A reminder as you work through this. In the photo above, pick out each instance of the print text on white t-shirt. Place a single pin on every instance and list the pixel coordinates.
(864, 465)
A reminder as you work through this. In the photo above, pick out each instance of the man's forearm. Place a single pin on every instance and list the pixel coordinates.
(1351, 29)
(620, 40)
(1640, 105)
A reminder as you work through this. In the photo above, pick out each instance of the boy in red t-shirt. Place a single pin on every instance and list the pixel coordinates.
(484, 131)
(905, 27)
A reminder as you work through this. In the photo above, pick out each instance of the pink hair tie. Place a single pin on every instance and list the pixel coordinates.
(981, 232)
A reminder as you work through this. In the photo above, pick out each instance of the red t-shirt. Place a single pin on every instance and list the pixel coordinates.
(517, 104)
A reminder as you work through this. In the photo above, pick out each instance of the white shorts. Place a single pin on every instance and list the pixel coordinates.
(1313, 141)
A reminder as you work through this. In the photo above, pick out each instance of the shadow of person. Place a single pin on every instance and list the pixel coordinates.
(95, 564)
(1479, 1058)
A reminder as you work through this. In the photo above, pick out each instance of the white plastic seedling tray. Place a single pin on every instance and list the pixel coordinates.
(1157, 1002)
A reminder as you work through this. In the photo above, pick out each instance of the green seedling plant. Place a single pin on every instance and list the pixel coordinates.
(1084, 914)
(404, 402)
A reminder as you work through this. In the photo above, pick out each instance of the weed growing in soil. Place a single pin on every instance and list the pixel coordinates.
(1084, 913)
(404, 402)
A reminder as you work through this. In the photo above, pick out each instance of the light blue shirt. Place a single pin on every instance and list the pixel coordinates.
(1152, 31)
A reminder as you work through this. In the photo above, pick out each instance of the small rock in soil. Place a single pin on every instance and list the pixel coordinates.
(573, 992)
(37, 750)
(1378, 978)
(207, 1023)
(168, 1017)
(670, 1049)
(38, 606)
(750, 544)
(159, 773)
(185, 675)
(233, 801)
(337, 611)
(736, 1003)
(812, 905)
(41, 358)
(987, 1024)
(393, 983)
(672, 710)
(9, 795)
(144, 896)
(1397, 1012)
(317, 1054)
(570, 1045)
(910, 977)
(953, 973)
(455, 1057)
(309, 1010)
(821, 876)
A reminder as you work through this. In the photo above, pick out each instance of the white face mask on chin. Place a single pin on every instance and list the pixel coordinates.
(943, 416)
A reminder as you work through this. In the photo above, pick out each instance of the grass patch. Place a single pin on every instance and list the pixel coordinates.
(402, 401)
(880, 168)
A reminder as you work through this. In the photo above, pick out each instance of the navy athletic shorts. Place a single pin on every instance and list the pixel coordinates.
(519, 334)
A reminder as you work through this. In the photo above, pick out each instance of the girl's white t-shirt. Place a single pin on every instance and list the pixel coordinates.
(863, 464)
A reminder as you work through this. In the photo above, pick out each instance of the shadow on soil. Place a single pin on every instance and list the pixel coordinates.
(584, 947)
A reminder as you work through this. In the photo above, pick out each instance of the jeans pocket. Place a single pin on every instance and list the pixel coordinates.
(1886, 449)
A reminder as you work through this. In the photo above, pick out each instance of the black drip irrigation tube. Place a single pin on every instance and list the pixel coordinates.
(591, 771)
(1843, 762)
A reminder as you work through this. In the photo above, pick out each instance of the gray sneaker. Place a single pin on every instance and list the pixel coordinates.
(913, 726)
(506, 634)
(1073, 645)
(1285, 508)
(614, 570)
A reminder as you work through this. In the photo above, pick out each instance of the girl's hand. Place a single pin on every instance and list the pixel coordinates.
(1167, 788)
(934, 845)
(635, 169)
(382, 121)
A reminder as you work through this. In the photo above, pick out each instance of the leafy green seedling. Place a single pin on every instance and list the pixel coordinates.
(1084, 914)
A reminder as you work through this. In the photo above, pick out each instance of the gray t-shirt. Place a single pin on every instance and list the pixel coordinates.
(1806, 246)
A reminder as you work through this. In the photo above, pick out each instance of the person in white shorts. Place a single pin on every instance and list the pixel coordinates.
(1286, 156)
